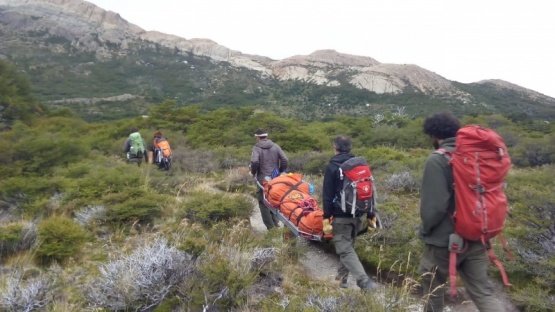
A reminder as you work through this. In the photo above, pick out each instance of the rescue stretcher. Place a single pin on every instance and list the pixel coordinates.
(295, 231)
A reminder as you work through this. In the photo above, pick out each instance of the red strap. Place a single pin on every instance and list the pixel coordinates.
(504, 244)
(453, 269)
(494, 259)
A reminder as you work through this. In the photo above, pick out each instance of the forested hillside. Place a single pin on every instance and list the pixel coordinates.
(81, 229)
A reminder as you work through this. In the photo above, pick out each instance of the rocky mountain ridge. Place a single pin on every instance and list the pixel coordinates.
(90, 29)
(78, 20)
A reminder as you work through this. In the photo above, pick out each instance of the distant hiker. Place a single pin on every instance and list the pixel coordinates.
(345, 224)
(134, 146)
(437, 205)
(161, 151)
(266, 158)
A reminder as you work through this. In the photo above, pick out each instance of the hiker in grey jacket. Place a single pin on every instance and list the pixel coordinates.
(266, 157)
(437, 205)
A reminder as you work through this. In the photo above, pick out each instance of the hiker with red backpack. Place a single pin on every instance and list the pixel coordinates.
(342, 216)
(461, 153)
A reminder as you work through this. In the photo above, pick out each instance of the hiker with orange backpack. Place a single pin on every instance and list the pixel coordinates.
(438, 212)
(341, 218)
(162, 152)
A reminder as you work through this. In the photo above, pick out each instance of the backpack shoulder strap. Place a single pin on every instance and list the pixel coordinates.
(444, 152)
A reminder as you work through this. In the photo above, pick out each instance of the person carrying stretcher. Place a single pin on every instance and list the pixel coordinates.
(266, 157)
(348, 218)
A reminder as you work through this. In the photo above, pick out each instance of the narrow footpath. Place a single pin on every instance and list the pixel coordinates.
(326, 267)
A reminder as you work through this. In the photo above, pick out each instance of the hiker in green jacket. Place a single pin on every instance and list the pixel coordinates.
(437, 204)
(134, 146)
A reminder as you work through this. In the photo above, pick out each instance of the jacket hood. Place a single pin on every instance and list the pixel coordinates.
(341, 158)
(265, 144)
(448, 144)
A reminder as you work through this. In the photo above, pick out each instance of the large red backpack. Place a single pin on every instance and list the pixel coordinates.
(357, 190)
(480, 164)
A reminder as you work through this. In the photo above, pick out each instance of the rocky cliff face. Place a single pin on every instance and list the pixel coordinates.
(90, 28)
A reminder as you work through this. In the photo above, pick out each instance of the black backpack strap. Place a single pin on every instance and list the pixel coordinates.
(291, 189)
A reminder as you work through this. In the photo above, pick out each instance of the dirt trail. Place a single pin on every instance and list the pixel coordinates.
(326, 265)
(322, 265)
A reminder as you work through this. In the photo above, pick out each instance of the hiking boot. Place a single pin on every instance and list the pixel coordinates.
(369, 286)
(343, 279)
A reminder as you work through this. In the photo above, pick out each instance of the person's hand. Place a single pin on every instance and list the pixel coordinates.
(327, 226)
(372, 223)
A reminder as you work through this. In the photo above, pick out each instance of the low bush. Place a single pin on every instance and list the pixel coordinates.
(396, 247)
(133, 205)
(403, 181)
(309, 163)
(102, 179)
(141, 280)
(15, 237)
(381, 157)
(237, 180)
(31, 294)
(196, 161)
(59, 238)
(209, 207)
(530, 230)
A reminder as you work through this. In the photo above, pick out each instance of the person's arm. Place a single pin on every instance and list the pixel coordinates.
(255, 160)
(126, 145)
(145, 154)
(328, 191)
(283, 161)
(435, 193)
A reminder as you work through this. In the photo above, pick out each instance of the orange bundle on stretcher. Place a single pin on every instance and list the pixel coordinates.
(291, 195)
(276, 189)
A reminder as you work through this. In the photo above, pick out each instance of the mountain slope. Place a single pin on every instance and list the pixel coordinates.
(73, 50)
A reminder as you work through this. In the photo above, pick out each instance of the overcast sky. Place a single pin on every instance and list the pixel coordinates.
(464, 40)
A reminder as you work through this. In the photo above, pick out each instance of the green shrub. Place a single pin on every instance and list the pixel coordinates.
(316, 165)
(88, 186)
(15, 237)
(395, 247)
(382, 157)
(209, 207)
(133, 205)
(19, 188)
(59, 238)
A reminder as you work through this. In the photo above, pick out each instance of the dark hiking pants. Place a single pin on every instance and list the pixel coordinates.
(270, 220)
(344, 233)
(472, 267)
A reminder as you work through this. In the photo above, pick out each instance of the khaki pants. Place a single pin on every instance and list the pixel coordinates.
(270, 220)
(344, 233)
(472, 267)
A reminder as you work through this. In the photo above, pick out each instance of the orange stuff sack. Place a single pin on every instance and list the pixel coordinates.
(278, 187)
(295, 199)
(297, 204)
(312, 222)
(295, 216)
